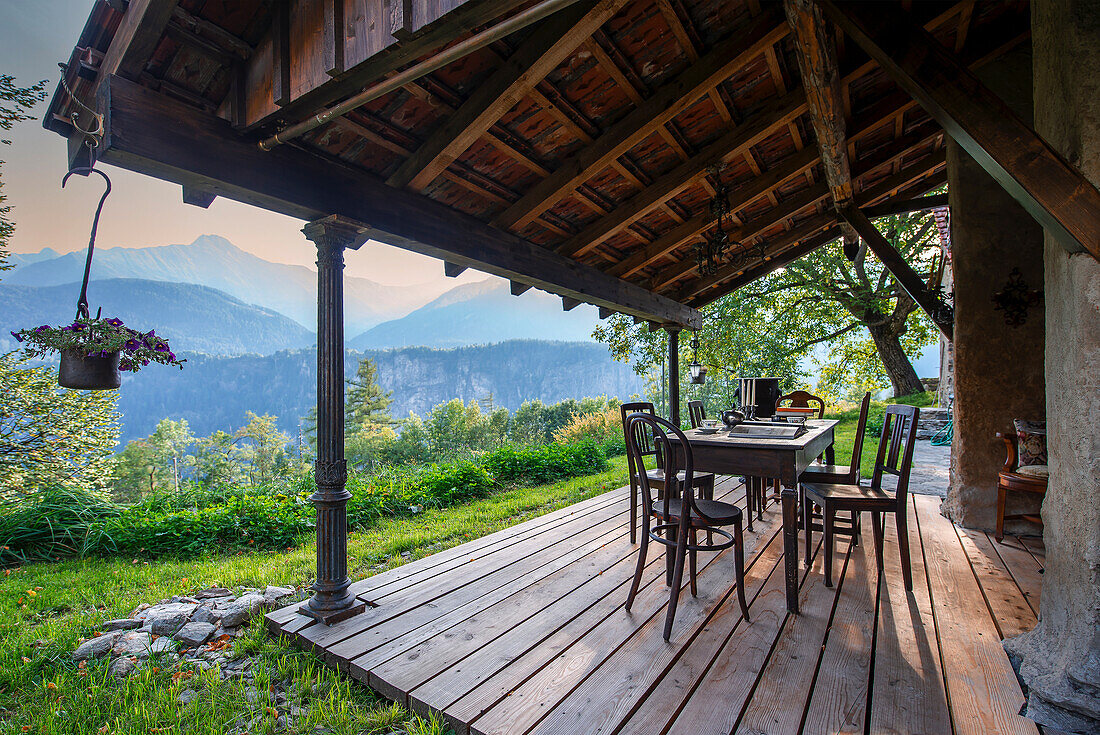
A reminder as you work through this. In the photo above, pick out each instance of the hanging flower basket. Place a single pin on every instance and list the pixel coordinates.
(94, 351)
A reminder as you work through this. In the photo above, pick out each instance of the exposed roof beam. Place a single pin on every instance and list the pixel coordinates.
(518, 289)
(902, 205)
(136, 38)
(731, 145)
(153, 134)
(815, 49)
(909, 279)
(782, 257)
(552, 42)
(1053, 191)
(663, 105)
(903, 178)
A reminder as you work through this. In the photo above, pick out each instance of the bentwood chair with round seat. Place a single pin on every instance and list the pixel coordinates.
(679, 513)
(703, 480)
(895, 457)
(836, 474)
(696, 413)
(802, 399)
(757, 487)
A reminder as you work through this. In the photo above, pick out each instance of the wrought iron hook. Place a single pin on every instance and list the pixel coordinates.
(82, 301)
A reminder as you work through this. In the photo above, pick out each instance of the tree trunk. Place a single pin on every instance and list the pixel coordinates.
(902, 376)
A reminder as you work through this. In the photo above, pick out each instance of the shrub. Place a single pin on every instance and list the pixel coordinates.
(537, 465)
(604, 428)
(53, 522)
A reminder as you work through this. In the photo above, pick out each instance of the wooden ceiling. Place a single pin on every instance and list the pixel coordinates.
(592, 134)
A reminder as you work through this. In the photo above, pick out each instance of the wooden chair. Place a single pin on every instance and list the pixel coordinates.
(696, 413)
(895, 457)
(702, 480)
(837, 475)
(1009, 479)
(802, 399)
(679, 513)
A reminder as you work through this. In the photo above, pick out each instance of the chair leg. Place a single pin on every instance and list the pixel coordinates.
(856, 527)
(901, 522)
(677, 578)
(691, 563)
(633, 513)
(669, 559)
(739, 566)
(1000, 535)
(828, 514)
(748, 500)
(876, 526)
(808, 524)
(761, 499)
(641, 565)
(708, 493)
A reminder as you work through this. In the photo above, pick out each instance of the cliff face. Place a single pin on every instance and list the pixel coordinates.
(215, 392)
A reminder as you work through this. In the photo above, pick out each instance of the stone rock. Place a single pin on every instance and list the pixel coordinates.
(194, 634)
(212, 592)
(166, 619)
(123, 624)
(253, 695)
(187, 696)
(134, 643)
(96, 647)
(204, 614)
(163, 645)
(238, 613)
(183, 598)
(272, 593)
(120, 668)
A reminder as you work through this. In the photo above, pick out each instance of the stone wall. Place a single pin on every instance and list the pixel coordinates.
(998, 368)
(1061, 656)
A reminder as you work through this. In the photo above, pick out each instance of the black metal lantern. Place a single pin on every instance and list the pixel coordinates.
(710, 252)
(698, 372)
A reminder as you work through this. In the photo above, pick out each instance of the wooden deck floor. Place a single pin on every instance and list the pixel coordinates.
(524, 631)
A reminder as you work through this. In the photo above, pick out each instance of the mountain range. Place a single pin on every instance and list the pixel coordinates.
(215, 262)
(193, 318)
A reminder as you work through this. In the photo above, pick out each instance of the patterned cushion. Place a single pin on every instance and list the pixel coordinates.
(1031, 442)
(1039, 471)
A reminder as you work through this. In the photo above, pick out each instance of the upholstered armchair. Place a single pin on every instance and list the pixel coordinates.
(1025, 470)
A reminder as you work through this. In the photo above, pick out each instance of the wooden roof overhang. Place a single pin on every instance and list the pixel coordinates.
(574, 155)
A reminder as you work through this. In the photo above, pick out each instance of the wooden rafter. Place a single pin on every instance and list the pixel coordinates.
(815, 49)
(152, 134)
(663, 105)
(1053, 191)
(554, 41)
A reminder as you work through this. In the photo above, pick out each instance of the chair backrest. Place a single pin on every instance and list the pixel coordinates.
(645, 427)
(696, 413)
(857, 445)
(646, 447)
(895, 448)
(802, 399)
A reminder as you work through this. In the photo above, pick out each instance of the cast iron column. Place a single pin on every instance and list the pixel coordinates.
(331, 601)
(674, 376)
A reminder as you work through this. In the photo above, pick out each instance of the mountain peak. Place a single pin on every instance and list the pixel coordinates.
(215, 243)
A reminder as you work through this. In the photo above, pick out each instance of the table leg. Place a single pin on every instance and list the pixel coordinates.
(790, 545)
(830, 455)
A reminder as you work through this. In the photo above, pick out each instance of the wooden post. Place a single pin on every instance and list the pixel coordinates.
(674, 376)
(331, 601)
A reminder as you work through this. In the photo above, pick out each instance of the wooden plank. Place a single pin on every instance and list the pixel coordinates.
(726, 638)
(667, 102)
(908, 695)
(152, 134)
(784, 687)
(1007, 604)
(526, 705)
(552, 43)
(1025, 570)
(900, 205)
(135, 39)
(1052, 190)
(982, 689)
(507, 562)
(840, 691)
(610, 694)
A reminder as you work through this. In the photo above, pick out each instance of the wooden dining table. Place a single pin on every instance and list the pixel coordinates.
(779, 460)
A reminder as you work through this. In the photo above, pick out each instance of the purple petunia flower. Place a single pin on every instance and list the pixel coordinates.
(114, 321)
(18, 337)
(162, 347)
(92, 354)
(39, 330)
(171, 355)
(132, 345)
(77, 327)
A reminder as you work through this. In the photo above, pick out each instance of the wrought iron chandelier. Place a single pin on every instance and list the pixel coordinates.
(710, 252)
(698, 372)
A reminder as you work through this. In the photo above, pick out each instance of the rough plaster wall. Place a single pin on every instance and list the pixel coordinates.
(1061, 656)
(998, 368)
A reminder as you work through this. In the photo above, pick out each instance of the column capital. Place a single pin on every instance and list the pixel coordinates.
(336, 231)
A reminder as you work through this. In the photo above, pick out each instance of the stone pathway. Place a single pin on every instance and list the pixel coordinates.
(931, 469)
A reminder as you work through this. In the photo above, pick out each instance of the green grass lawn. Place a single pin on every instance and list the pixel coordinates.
(46, 608)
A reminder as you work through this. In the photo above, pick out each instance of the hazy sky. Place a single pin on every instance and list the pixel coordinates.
(34, 36)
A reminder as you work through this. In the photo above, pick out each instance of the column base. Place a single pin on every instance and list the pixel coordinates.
(335, 615)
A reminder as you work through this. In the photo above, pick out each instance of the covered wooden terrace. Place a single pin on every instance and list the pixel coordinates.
(594, 149)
